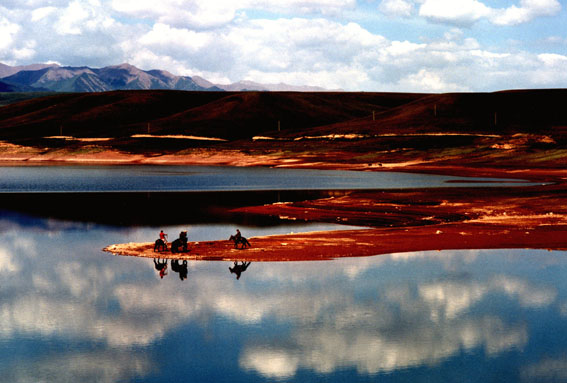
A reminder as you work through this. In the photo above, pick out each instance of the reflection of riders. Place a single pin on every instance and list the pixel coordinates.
(181, 269)
(238, 269)
(161, 267)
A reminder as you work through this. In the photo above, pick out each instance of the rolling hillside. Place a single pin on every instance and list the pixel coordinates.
(535, 111)
(213, 114)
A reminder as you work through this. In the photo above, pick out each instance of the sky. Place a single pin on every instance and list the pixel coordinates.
(354, 45)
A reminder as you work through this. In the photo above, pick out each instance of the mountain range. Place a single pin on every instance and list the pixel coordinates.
(55, 78)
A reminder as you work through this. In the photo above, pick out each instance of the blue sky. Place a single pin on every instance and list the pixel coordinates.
(355, 45)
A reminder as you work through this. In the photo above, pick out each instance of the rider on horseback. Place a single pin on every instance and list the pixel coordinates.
(163, 236)
(238, 238)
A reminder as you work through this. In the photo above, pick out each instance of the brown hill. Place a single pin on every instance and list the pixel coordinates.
(242, 115)
(508, 112)
(107, 114)
(245, 114)
(214, 114)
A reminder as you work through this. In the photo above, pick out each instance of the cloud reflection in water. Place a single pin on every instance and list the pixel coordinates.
(371, 315)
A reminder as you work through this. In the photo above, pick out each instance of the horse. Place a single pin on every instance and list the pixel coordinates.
(180, 242)
(160, 244)
(240, 240)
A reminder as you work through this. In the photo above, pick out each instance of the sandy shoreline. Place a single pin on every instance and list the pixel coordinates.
(358, 243)
(16, 155)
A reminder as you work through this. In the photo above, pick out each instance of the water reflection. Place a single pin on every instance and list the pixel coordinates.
(70, 311)
(161, 266)
(180, 268)
(238, 269)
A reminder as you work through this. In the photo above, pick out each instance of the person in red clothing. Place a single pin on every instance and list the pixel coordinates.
(163, 236)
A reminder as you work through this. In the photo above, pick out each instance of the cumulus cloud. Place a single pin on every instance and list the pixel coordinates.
(333, 55)
(527, 11)
(467, 12)
(79, 17)
(8, 31)
(210, 14)
(459, 12)
(551, 70)
(41, 13)
(401, 8)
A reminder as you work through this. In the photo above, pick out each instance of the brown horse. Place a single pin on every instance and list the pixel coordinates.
(243, 241)
(160, 245)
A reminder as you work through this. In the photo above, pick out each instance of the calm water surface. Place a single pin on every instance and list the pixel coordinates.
(208, 178)
(72, 313)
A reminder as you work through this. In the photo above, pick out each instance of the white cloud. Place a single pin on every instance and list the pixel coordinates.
(78, 17)
(334, 55)
(429, 81)
(550, 71)
(527, 11)
(460, 12)
(211, 14)
(41, 13)
(467, 12)
(180, 13)
(401, 8)
(8, 31)
(318, 51)
(72, 19)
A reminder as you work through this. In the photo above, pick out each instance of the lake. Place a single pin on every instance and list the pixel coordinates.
(70, 312)
(142, 178)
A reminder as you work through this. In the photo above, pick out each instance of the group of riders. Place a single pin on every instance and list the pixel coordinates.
(180, 244)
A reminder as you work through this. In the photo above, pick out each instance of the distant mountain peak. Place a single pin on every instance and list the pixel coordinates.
(123, 66)
(122, 76)
(7, 70)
